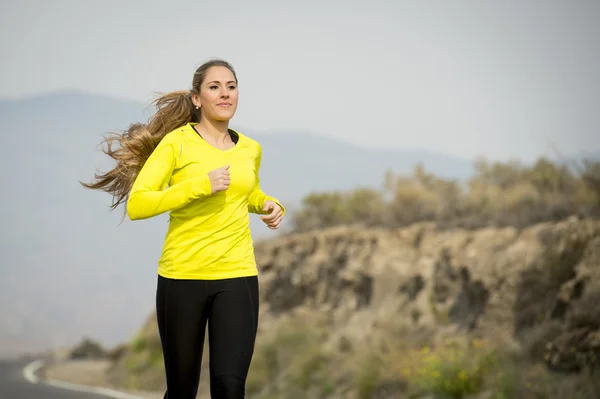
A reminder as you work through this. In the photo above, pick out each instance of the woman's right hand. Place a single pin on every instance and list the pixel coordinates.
(219, 179)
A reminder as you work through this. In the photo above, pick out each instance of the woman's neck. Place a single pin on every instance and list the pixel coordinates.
(217, 131)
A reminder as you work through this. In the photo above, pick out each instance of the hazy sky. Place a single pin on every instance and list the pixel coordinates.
(497, 78)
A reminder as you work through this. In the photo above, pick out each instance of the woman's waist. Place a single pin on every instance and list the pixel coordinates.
(201, 249)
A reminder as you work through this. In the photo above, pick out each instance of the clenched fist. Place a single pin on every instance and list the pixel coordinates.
(219, 179)
(274, 215)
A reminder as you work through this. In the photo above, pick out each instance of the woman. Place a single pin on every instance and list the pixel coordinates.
(187, 161)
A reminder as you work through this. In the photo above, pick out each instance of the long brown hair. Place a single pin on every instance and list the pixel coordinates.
(137, 143)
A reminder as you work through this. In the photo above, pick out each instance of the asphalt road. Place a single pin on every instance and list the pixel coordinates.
(13, 385)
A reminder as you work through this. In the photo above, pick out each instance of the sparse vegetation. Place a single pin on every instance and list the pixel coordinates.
(88, 349)
(293, 363)
(451, 371)
(499, 194)
(290, 362)
(141, 365)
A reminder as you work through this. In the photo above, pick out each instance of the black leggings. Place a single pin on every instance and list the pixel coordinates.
(183, 309)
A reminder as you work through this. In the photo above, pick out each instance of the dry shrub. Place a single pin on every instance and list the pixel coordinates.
(499, 194)
(291, 362)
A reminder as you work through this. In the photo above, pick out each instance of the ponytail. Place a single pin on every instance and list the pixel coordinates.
(139, 141)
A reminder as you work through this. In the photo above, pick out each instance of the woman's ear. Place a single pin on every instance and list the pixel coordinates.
(196, 100)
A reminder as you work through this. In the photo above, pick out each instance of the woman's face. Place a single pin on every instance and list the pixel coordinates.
(218, 97)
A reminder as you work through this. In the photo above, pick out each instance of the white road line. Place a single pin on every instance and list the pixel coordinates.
(29, 372)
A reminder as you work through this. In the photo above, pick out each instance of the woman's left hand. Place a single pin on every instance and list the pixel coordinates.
(275, 214)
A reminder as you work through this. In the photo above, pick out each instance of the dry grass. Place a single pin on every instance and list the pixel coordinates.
(294, 362)
(291, 361)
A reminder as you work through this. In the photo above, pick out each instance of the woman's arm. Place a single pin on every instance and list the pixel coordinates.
(149, 195)
(257, 199)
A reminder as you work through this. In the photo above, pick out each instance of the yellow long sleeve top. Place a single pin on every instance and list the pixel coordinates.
(209, 234)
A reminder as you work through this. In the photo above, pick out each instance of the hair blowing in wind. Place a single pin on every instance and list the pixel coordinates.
(131, 148)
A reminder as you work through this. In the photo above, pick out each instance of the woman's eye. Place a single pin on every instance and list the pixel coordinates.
(212, 87)
(231, 87)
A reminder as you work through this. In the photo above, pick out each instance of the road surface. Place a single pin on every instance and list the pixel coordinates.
(15, 385)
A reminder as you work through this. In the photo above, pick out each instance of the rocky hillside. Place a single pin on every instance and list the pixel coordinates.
(417, 312)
